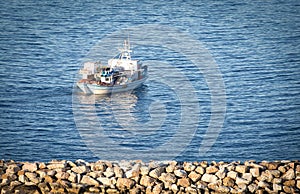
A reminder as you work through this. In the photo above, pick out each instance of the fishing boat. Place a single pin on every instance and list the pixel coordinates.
(122, 73)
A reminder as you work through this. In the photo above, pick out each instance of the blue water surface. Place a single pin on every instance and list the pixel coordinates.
(256, 45)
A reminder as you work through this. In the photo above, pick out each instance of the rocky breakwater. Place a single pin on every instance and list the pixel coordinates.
(153, 177)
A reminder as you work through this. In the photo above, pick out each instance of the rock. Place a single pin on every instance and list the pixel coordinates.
(62, 175)
(277, 180)
(252, 188)
(200, 170)
(184, 182)
(23, 178)
(191, 190)
(147, 181)
(99, 166)
(212, 169)
(241, 169)
(223, 189)
(119, 173)
(12, 169)
(272, 165)
(277, 187)
(42, 173)
(89, 181)
(221, 173)
(298, 168)
(109, 172)
(187, 166)
(289, 175)
(298, 184)
(266, 176)
(232, 174)
(290, 183)
(288, 189)
(104, 180)
(42, 165)
(15, 183)
(263, 184)
(48, 179)
(30, 175)
(155, 173)
(202, 185)
(57, 188)
(209, 178)
(213, 186)
(255, 172)
(275, 173)
(57, 165)
(247, 176)
(51, 173)
(76, 188)
(168, 178)
(282, 169)
(228, 182)
(134, 172)
(31, 167)
(157, 189)
(72, 177)
(180, 173)
(194, 176)
(204, 164)
(80, 169)
(125, 183)
(174, 188)
(240, 181)
(144, 170)
(170, 168)
(44, 187)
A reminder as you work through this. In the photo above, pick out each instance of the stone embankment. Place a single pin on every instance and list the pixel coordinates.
(153, 177)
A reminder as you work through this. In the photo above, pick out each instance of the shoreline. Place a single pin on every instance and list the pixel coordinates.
(149, 177)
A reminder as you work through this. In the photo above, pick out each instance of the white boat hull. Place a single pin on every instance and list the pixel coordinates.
(99, 89)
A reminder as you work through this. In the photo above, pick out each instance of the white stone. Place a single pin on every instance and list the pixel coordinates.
(209, 178)
(180, 173)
